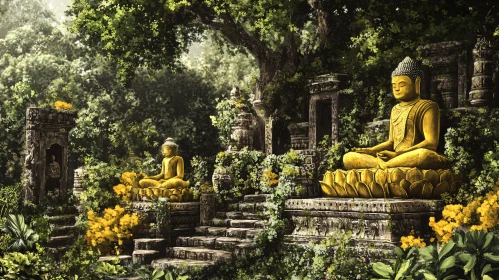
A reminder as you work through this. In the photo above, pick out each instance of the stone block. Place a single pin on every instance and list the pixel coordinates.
(144, 257)
(243, 223)
(234, 215)
(215, 231)
(168, 263)
(256, 198)
(247, 207)
(373, 222)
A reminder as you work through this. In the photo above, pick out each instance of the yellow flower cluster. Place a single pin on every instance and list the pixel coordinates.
(270, 178)
(411, 241)
(480, 214)
(128, 178)
(108, 232)
(128, 181)
(60, 105)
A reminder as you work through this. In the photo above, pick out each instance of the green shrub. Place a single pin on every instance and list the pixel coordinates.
(472, 150)
(23, 238)
(469, 255)
(25, 266)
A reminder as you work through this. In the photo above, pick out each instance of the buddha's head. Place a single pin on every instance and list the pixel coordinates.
(169, 148)
(406, 80)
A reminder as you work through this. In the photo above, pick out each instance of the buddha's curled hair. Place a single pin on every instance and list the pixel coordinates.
(408, 67)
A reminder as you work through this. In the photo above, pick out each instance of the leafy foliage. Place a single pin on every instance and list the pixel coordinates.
(471, 148)
(470, 255)
(23, 238)
(24, 266)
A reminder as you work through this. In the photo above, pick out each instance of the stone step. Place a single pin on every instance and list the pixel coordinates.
(196, 241)
(144, 257)
(256, 197)
(149, 244)
(61, 241)
(201, 230)
(254, 216)
(198, 253)
(124, 259)
(244, 248)
(216, 222)
(60, 230)
(234, 215)
(243, 223)
(62, 219)
(220, 215)
(229, 243)
(237, 232)
(168, 263)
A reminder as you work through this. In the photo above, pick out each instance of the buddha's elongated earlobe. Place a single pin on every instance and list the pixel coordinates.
(417, 85)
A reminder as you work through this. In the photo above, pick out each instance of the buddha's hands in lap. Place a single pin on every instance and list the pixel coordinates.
(386, 155)
(367, 151)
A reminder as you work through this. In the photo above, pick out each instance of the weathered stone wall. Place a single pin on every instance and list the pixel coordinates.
(374, 223)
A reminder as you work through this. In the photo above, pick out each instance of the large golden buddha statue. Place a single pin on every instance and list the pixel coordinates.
(407, 164)
(414, 128)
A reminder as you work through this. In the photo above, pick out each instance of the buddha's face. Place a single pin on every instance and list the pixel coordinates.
(404, 89)
(168, 151)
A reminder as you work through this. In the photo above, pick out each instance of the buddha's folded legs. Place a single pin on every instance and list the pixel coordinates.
(174, 183)
(420, 158)
(353, 160)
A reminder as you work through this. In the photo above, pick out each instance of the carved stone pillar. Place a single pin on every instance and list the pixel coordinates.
(207, 208)
(299, 135)
(324, 106)
(482, 85)
(242, 132)
(46, 161)
(447, 73)
(78, 181)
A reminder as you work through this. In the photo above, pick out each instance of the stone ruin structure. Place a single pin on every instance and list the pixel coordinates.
(46, 161)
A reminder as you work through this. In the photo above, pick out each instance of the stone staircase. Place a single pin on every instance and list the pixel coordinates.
(229, 234)
(62, 236)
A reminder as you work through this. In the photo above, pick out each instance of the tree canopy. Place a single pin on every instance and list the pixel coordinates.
(364, 39)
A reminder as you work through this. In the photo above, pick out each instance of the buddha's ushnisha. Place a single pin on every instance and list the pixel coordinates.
(414, 128)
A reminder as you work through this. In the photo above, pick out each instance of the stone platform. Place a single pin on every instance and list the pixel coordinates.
(184, 218)
(374, 223)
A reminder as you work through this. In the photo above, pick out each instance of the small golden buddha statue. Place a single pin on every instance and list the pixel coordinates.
(414, 128)
(172, 170)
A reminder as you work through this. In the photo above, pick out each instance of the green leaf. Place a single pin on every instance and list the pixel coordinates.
(486, 269)
(447, 248)
(447, 263)
(491, 257)
(429, 276)
(427, 253)
(403, 269)
(486, 277)
(488, 240)
(470, 264)
(382, 269)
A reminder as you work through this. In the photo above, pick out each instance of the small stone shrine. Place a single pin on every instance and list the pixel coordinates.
(46, 162)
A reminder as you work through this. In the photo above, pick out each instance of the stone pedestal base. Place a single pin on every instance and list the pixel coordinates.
(184, 217)
(374, 223)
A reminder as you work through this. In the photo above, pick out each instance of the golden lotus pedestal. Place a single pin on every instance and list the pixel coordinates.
(151, 194)
(390, 183)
